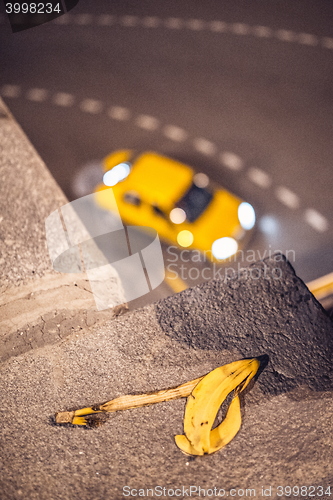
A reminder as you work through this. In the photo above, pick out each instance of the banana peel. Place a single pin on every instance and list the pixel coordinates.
(220, 436)
(205, 396)
(204, 403)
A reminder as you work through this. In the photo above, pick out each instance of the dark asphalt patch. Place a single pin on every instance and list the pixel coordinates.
(264, 309)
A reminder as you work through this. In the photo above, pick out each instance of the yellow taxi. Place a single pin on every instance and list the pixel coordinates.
(181, 205)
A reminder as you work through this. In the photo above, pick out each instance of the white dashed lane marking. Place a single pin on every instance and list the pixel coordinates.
(316, 220)
(204, 146)
(218, 26)
(129, 21)
(240, 29)
(285, 35)
(11, 91)
(231, 161)
(91, 106)
(262, 31)
(307, 39)
(259, 177)
(83, 19)
(65, 19)
(119, 113)
(327, 42)
(150, 22)
(37, 95)
(105, 20)
(196, 24)
(287, 197)
(63, 99)
(227, 159)
(173, 23)
(147, 122)
(175, 133)
(215, 26)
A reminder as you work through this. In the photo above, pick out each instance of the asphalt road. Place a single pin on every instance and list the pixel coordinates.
(241, 93)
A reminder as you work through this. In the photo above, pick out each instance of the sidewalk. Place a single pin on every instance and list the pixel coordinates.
(81, 357)
(34, 299)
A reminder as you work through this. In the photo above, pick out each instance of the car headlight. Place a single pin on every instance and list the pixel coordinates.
(224, 248)
(116, 174)
(246, 215)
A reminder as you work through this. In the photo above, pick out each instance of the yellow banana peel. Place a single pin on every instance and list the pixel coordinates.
(204, 403)
(205, 397)
(220, 436)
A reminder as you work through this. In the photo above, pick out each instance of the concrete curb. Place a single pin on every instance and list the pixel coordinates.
(30, 289)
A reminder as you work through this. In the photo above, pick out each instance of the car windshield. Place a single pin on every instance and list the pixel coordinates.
(195, 202)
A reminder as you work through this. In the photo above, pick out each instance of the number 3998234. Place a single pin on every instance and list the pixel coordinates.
(32, 8)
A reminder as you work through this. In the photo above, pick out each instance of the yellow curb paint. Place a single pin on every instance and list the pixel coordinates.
(321, 287)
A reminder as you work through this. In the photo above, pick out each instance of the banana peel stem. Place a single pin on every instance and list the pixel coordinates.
(128, 402)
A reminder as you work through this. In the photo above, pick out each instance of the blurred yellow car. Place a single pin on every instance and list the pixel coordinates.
(181, 205)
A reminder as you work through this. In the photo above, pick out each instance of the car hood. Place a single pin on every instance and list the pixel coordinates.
(219, 219)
